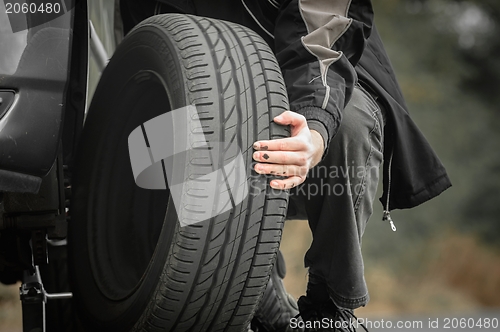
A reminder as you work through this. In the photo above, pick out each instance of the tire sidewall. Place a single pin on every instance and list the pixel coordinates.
(93, 305)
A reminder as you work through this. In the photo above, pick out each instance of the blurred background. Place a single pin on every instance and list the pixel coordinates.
(445, 256)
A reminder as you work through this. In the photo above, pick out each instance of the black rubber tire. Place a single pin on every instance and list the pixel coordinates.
(132, 267)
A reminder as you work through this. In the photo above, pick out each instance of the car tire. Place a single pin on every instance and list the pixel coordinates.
(132, 266)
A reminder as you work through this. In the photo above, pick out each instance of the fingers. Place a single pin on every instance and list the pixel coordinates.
(289, 118)
(281, 157)
(284, 157)
(296, 173)
(282, 144)
(281, 170)
(293, 143)
(289, 183)
(296, 121)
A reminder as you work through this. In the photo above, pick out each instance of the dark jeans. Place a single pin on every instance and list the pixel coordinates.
(337, 200)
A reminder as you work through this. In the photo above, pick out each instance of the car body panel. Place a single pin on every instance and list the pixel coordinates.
(34, 64)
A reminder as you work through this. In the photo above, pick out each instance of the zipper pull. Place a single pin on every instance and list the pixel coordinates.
(387, 217)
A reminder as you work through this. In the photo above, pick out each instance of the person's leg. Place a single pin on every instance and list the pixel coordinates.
(338, 196)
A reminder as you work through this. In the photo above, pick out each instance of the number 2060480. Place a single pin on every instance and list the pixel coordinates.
(462, 323)
(33, 8)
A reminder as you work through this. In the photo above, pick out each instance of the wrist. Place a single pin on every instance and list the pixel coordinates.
(319, 146)
(320, 128)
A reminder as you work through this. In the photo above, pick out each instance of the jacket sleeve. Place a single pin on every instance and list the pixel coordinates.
(317, 44)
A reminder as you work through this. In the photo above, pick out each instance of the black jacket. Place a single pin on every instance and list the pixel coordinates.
(340, 35)
(325, 47)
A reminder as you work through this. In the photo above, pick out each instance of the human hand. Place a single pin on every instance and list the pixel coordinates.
(291, 157)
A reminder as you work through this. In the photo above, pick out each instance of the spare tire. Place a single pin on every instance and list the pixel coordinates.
(132, 266)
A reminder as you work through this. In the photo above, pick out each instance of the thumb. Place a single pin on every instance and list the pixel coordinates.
(296, 120)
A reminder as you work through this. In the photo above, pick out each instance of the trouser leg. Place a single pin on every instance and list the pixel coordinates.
(338, 196)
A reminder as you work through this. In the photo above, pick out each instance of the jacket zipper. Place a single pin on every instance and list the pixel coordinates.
(387, 214)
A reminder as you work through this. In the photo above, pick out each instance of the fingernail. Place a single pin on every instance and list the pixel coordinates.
(256, 146)
(256, 155)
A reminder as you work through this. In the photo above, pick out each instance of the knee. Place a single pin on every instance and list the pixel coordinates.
(359, 120)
